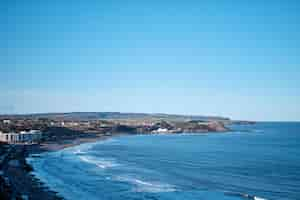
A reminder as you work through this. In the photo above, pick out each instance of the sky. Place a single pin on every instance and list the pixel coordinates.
(233, 58)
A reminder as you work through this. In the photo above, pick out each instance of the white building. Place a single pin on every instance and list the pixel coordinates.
(32, 136)
(6, 121)
(161, 130)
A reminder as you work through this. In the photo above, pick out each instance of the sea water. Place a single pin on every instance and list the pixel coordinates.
(259, 161)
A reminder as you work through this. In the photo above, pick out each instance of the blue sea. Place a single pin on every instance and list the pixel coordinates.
(260, 161)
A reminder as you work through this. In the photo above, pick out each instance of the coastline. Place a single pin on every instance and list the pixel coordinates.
(25, 185)
(65, 144)
(18, 180)
(59, 145)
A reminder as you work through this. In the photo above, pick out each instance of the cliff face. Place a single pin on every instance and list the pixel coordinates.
(217, 127)
(183, 127)
(172, 127)
(199, 127)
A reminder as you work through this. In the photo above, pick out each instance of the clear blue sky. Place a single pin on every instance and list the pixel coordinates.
(239, 59)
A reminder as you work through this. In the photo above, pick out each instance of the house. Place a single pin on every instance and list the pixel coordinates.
(32, 136)
(161, 130)
(6, 121)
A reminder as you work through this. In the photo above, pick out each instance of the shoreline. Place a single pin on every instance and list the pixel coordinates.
(18, 180)
(24, 184)
(59, 145)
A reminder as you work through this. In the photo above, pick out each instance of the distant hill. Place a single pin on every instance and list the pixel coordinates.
(116, 116)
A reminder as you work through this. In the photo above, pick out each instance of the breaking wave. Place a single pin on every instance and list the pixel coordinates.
(146, 186)
(79, 152)
(245, 196)
(101, 163)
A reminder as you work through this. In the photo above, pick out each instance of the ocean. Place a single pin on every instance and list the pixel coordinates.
(260, 161)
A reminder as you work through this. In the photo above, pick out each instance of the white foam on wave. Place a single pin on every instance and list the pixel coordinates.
(245, 196)
(146, 186)
(86, 147)
(79, 152)
(258, 198)
(99, 162)
(80, 149)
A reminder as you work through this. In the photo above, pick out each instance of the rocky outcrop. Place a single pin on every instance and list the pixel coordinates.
(15, 180)
(217, 127)
(201, 127)
(5, 189)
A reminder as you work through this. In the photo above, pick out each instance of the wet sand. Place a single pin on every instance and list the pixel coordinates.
(58, 145)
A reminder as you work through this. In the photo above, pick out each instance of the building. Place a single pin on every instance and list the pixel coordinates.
(27, 137)
(161, 130)
(6, 121)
